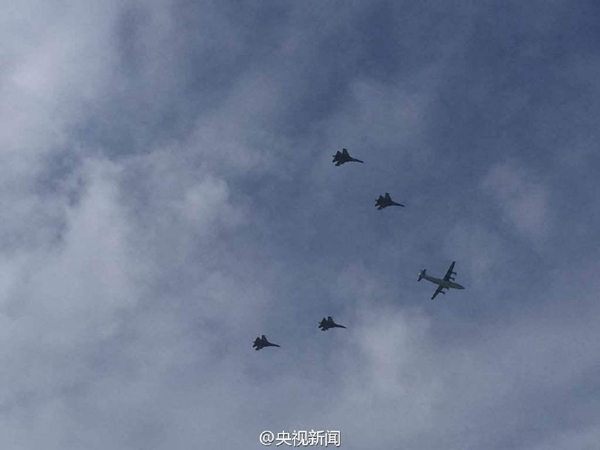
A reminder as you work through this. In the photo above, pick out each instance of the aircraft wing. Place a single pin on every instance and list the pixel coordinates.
(437, 291)
(449, 272)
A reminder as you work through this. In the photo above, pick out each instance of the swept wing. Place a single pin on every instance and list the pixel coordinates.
(450, 272)
(439, 290)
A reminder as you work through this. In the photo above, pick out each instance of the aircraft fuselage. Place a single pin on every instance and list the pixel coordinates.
(443, 283)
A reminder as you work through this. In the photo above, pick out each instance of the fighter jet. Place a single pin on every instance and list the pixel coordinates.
(328, 323)
(446, 283)
(384, 202)
(343, 157)
(261, 342)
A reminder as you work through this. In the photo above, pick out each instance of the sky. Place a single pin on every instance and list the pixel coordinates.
(168, 195)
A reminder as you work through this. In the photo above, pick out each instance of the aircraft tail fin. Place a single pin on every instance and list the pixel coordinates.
(422, 274)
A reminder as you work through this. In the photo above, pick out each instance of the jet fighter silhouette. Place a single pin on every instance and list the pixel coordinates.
(328, 323)
(343, 157)
(384, 202)
(261, 342)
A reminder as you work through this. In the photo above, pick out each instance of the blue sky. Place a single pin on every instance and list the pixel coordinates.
(168, 195)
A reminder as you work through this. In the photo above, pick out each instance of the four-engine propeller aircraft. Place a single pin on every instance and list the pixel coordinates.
(446, 283)
(328, 323)
(261, 342)
(343, 157)
(384, 202)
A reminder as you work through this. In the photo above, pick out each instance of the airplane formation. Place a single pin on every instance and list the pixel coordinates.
(447, 282)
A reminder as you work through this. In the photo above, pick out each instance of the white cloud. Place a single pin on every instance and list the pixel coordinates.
(379, 116)
(201, 204)
(131, 288)
(522, 196)
(397, 373)
(480, 252)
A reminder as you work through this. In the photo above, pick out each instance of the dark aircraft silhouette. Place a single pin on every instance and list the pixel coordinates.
(328, 323)
(343, 157)
(384, 202)
(261, 342)
(445, 283)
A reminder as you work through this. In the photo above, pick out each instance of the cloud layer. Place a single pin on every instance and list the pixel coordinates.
(168, 195)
